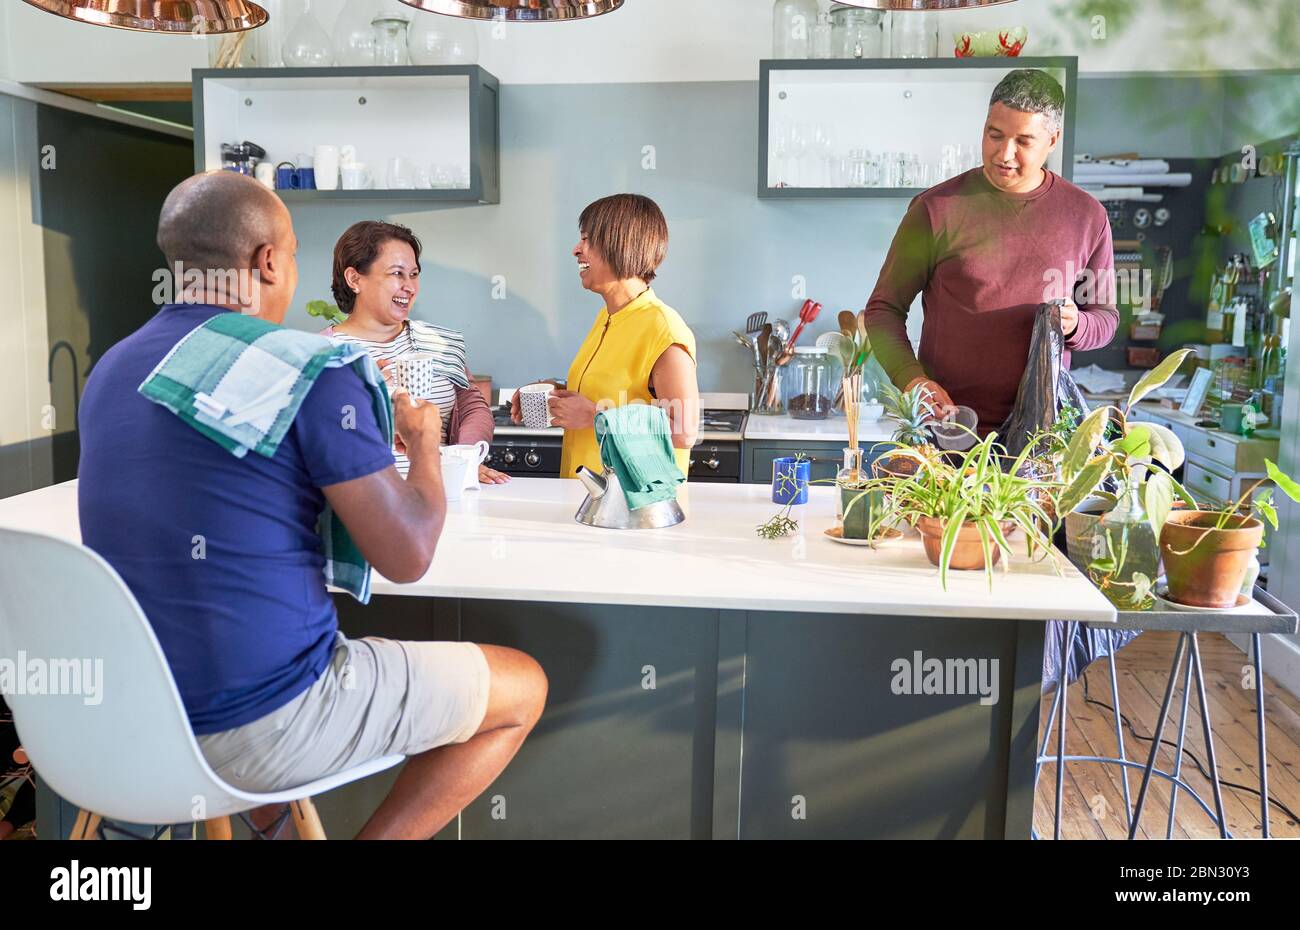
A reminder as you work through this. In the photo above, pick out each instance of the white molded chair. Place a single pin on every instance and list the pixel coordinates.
(131, 757)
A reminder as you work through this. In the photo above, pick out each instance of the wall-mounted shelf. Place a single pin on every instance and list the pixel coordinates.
(434, 116)
(917, 106)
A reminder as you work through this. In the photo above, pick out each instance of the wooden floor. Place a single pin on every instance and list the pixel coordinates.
(1092, 805)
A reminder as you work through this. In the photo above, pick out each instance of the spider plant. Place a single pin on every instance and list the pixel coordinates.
(974, 490)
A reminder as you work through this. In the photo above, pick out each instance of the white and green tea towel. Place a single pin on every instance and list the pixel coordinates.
(240, 381)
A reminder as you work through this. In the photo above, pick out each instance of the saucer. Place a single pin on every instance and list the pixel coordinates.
(1161, 592)
(836, 534)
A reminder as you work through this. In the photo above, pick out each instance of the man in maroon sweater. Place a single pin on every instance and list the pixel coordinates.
(984, 249)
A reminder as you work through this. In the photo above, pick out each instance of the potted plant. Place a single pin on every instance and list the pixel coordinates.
(1114, 538)
(1209, 554)
(966, 505)
(912, 446)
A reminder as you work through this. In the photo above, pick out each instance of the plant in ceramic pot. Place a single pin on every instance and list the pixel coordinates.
(966, 505)
(1116, 542)
(1209, 554)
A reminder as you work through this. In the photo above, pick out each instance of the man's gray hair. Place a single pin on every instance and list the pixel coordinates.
(1031, 91)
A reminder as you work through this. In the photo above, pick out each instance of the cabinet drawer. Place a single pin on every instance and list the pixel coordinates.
(1213, 447)
(827, 459)
(1205, 485)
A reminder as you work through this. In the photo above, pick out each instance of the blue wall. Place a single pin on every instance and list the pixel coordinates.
(563, 146)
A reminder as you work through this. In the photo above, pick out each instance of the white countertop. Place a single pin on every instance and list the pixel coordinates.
(520, 542)
(833, 429)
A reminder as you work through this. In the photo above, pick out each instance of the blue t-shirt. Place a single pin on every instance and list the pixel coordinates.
(221, 552)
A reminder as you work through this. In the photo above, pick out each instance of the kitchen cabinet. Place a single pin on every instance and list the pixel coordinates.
(813, 115)
(827, 458)
(434, 117)
(1220, 466)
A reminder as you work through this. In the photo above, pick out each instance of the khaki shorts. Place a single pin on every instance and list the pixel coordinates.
(377, 697)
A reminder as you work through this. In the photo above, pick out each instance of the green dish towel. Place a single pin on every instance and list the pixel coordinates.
(240, 381)
(636, 442)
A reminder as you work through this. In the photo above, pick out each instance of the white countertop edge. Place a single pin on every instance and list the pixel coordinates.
(955, 611)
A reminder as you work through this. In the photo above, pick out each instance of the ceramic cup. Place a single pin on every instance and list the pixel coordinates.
(533, 404)
(455, 471)
(356, 177)
(790, 480)
(265, 174)
(326, 163)
(475, 455)
(415, 373)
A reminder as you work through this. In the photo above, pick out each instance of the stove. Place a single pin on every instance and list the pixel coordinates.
(535, 453)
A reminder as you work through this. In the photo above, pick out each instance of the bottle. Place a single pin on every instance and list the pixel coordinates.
(793, 22)
(307, 44)
(847, 480)
(354, 39)
(1127, 540)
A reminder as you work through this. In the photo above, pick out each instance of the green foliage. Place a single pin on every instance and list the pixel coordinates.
(325, 311)
(912, 411)
(970, 488)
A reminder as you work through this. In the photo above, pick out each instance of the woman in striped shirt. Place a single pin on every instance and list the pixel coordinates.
(376, 281)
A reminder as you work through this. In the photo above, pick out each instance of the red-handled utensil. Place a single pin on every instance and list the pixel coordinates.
(807, 313)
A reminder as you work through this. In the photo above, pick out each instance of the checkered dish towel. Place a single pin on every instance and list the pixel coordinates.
(240, 380)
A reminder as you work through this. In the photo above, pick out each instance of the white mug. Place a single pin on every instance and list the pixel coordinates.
(265, 174)
(326, 158)
(474, 456)
(347, 156)
(454, 471)
(356, 177)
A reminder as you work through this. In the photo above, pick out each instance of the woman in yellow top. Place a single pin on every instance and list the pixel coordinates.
(639, 350)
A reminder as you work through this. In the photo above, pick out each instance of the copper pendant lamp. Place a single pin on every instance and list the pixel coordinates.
(518, 11)
(167, 17)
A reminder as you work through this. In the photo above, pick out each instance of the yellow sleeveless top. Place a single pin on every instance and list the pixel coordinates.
(613, 368)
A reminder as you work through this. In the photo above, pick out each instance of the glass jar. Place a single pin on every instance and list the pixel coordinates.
(391, 39)
(914, 35)
(810, 384)
(1125, 552)
(822, 37)
(443, 40)
(793, 22)
(354, 38)
(857, 33)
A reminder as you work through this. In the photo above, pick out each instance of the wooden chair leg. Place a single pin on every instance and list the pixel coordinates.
(306, 820)
(218, 828)
(86, 826)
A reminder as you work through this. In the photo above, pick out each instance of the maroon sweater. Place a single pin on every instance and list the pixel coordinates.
(982, 261)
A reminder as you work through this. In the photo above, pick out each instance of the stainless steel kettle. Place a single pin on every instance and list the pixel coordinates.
(606, 506)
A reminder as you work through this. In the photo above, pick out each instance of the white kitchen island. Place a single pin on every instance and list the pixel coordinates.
(705, 682)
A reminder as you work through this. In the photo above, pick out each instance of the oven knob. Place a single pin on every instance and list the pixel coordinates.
(509, 458)
(712, 464)
(532, 459)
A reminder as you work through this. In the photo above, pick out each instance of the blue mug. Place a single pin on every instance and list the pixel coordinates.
(286, 176)
(307, 179)
(790, 479)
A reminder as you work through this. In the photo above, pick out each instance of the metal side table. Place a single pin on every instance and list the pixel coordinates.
(1265, 614)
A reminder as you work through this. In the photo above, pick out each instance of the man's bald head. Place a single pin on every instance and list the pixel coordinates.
(218, 220)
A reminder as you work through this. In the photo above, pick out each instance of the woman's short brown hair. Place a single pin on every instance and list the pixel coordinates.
(630, 233)
(358, 248)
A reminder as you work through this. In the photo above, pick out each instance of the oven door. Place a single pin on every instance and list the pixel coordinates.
(715, 463)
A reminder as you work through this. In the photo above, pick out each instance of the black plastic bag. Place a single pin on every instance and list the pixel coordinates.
(1045, 387)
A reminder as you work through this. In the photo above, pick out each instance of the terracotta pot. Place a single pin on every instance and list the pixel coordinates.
(968, 554)
(1206, 567)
